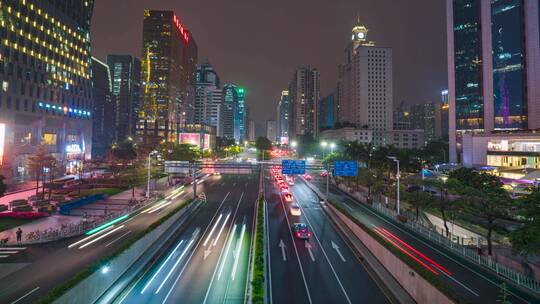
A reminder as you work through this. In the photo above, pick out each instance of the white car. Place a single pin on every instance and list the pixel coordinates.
(295, 210)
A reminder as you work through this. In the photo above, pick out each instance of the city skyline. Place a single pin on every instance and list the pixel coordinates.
(307, 47)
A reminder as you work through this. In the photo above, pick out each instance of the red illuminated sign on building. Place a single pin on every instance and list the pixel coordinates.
(183, 31)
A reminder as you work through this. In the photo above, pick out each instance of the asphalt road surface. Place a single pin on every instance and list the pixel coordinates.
(208, 261)
(322, 269)
(45, 266)
(469, 281)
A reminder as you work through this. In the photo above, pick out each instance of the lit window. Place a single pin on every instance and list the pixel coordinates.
(49, 139)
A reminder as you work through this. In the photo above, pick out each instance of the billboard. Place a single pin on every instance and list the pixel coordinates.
(195, 139)
(2, 141)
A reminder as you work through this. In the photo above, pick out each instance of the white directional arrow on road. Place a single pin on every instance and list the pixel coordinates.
(336, 247)
(308, 247)
(207, 253)
(282, 246)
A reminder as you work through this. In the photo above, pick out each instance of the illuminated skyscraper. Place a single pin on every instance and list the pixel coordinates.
(168, 73)
(283, 123)
(126, 89)
(365, 86)
(304, 94)
(493, 64)
(45, 82)
(104, 111)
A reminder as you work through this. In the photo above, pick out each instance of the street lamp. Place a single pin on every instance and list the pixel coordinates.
(397, 178)
(148, 179)
(294, 144)
(323, 145)
(332, 146)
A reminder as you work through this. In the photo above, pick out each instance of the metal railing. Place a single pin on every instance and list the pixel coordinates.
(471, 253)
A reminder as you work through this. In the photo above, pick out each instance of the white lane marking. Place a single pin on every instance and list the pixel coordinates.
(12, 248)
(175, 265)
(212, 230)
(118, 238)
(268, 250)
(8, 252)
(91, 236)
(221, 253)
(192, 253)
(295, 249)
(308, 247)
(458, 282)
(336, 247)
(221, 229)
(102, 236)
(282, 246)
(426, 244)
(231, 237)
(159, 207)
(3, 256)
(161, 267)
(238, 251)
(26, 295)
(324, 253)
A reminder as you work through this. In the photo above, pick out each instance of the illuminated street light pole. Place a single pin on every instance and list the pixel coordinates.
(332, 146)
(397, 178)
(148, 179)
(323, 145)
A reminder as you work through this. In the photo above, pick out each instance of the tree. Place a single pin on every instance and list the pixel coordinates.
(419, 200)
(183, 152)
(263, 144)
(443, 202)
(526, 239)
(504, 294)
(125, 151)
(483, 197)
(38, 161)
(373, 179)
(3, 187)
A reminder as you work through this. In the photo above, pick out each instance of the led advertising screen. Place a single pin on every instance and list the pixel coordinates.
(191, 138)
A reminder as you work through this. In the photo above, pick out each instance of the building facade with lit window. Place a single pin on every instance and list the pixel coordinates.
(168, 68)
(304, 95)
(104, 110)
(365, 86)
(208, 99)
(493, 73)
(125, 71)
(283, 121)
(45, 84)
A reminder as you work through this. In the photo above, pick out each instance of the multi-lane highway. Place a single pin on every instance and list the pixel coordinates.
(43, 267)
(322, 269)
(470, 282)
(208, 261)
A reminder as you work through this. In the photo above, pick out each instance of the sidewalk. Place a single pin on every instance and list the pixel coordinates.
(52, 222)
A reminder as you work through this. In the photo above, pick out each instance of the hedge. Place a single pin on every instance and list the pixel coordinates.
(257, 290)
(57, 292)
(424, 273)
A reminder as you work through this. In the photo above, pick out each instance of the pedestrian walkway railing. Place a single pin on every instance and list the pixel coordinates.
(74, 229)
(453, 244)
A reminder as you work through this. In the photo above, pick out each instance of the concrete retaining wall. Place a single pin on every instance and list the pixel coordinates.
(91, 288)
(419, 289)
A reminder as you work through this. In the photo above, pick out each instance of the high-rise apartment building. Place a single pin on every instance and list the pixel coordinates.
(230, 99)
(283, 122)
(444, 114)
(104, 110)
(304, 94)
(125, 73)
(168, 73)
(364, 87)
(45, 83)
(240, 116)
(493, 81)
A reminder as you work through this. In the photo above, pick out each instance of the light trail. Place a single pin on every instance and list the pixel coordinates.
(238, 249)
(221, 230)
(212, 230)
(174, 266)
(108, 224)
(89, 237)
(101, 236)
(161, 267)
(226, 252)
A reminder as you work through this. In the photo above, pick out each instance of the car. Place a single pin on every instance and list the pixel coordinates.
(324, 173)
(307, 177)
(301, 231)
(295, 210)
(288, 197)
(284, 188)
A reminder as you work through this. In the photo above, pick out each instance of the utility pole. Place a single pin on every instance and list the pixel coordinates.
(194, 180)
(327, 180)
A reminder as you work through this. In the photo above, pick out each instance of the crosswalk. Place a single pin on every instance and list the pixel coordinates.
(8, 251)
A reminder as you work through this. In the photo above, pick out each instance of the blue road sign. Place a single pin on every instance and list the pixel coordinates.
(291, 166)
(345, 168)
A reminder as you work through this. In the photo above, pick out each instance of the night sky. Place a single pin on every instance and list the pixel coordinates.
(258, 44)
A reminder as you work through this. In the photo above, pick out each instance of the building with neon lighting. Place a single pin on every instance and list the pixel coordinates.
(234, 113)
(125, 71)
(283, 113)
(45, 83)
(494, 82)
(208, 99)
(168, 69)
